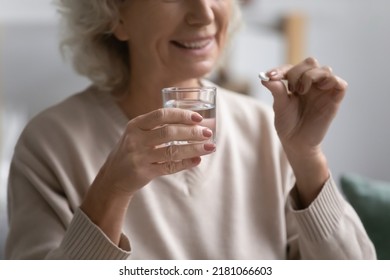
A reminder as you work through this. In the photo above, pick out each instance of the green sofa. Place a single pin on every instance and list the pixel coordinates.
(371, 200)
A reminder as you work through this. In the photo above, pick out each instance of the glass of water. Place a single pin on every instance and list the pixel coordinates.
(199, 99)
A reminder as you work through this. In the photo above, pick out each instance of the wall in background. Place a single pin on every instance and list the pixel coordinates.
(352, 37)
(32, 76)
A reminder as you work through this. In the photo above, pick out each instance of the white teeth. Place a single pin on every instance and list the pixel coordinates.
(195, 45)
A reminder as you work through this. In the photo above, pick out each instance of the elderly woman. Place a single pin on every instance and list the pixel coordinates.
(91, 177)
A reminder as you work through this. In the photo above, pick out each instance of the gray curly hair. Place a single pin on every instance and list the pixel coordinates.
(87, 37)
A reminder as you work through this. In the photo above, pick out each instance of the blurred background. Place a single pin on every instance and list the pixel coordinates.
(350, 35)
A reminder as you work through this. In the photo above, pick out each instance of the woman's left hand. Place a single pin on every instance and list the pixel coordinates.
(303, 113)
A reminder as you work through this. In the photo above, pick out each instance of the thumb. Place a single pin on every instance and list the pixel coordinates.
(279, 92)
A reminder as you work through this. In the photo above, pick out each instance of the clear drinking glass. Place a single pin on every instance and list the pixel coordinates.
(199, 99)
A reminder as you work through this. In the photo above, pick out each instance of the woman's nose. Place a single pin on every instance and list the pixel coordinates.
(200, 12)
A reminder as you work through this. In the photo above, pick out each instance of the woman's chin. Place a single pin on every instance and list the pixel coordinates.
(200, 70)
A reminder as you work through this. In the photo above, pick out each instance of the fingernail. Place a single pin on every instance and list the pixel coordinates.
(207, 132)
(275, 75)
(209, 147)
(272, 73)
(196, 160)
(196, 117)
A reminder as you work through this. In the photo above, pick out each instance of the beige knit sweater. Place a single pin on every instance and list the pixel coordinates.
(237, 204)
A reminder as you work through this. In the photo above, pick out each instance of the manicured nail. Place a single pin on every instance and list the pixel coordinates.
(196, 117)
(196, 160)
(272, 73)
(209, 147)
(275, 75)
(207, 132)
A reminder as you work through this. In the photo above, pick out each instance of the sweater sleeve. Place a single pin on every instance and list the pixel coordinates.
(329, 228)
(84, 240)
(43, 225)
(49, 176)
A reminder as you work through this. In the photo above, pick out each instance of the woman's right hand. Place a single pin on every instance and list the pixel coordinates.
(142, 152)
(140, 155)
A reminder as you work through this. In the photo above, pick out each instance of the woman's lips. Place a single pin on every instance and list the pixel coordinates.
(193, 44)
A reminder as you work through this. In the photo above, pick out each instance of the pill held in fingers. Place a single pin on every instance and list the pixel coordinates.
(263, 76)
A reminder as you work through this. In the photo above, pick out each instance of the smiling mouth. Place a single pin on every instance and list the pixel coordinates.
(193, 45)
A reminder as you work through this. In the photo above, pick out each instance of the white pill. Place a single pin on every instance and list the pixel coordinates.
(263, 77)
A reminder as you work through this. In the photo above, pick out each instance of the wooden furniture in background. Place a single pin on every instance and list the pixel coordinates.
(292, 26)
(294, 30)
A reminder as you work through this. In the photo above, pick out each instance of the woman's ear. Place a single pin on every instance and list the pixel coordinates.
(120, 31)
